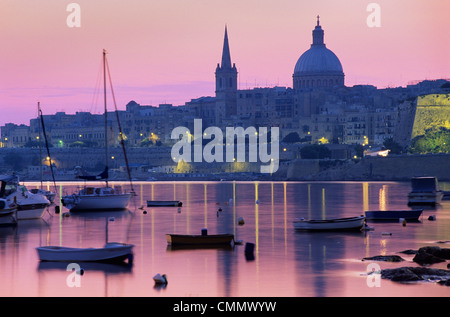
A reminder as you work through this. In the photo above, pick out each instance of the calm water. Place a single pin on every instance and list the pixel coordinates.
(286, 263)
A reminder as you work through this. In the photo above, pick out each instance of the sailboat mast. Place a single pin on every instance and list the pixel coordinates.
(40, 149)
(106, 113)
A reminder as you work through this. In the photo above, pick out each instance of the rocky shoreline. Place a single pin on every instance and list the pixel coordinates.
(424, 257)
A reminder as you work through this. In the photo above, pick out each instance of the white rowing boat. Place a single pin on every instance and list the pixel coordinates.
(111, 252)
(351, 223)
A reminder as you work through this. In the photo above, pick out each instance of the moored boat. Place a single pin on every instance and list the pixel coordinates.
(164, 203)
(29, 205)
(202, 239)
(394, 214)
(101, 198)
(111, 252)
(350, 223)
(7, 213)
(424, 190)
(97, 198)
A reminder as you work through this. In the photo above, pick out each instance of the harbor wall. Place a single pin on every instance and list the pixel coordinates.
(393, 167)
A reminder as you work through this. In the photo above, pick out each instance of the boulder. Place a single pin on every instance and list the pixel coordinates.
(411, 274)
(431, 255)
(386, 258)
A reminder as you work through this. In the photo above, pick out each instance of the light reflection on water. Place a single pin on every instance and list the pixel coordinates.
(285, 263)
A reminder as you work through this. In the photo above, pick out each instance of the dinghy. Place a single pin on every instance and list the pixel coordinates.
(351, 223)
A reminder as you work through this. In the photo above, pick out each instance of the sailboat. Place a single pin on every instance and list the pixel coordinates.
(105, 197)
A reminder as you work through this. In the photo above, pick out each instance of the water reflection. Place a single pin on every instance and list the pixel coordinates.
(309, 264)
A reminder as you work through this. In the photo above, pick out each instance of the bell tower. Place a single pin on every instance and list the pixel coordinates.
(226, 84)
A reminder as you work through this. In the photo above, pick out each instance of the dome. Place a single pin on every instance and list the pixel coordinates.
(318, 67)
(318, 60)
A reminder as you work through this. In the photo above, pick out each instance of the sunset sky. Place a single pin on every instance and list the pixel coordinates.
(166, 51)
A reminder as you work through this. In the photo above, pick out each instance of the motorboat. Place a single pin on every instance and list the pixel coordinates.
(111, 252)
(395, 215)
(164, 203)
(7, 213)
(424, 190)
(29, 205)
(48, 194)
(350, 223)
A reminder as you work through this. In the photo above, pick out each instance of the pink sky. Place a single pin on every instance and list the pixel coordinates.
(166, 51)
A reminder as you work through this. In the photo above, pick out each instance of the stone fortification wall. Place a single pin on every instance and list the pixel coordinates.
(395, 167)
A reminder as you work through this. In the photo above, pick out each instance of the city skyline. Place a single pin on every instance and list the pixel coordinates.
(163, 52)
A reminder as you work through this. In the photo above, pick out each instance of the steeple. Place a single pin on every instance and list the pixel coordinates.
(318, 34)
(226, 57)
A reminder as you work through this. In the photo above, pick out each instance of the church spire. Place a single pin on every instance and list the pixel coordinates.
(318, 34)
(226, 57)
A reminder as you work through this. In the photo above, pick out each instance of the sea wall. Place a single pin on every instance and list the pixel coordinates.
(393, 167)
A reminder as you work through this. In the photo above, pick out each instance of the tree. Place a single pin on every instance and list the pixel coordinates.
(292, 137)
(390, 144)
(433, 141)
(315, 151)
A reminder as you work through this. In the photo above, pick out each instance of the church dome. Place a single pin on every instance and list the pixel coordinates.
(318, 66)
(318, 59)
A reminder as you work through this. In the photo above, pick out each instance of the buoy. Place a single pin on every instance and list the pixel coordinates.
(220, 209)
(241, 221)
(432, 218)
(66, 214)
(112, 218)
(144, 212)
(249, 251)
(160, 279)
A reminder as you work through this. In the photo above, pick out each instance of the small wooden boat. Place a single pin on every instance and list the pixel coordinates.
(393, 214)
(351, 223)
(164, 203)
(111, 252)
(202, 239)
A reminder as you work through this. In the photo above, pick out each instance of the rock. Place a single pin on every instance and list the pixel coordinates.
(386, 258)
(445, 282)
(424, 258)
(403, 274)
(409, 274)
(409, 251)
(431, 255)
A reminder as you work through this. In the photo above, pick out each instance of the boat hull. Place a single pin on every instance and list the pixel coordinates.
(100, 202)
(31, 211)
(181, 239)
(394, 214)
(353, 223)
(164, 203)
(112, 252)
(425, 198)
(7, 217)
